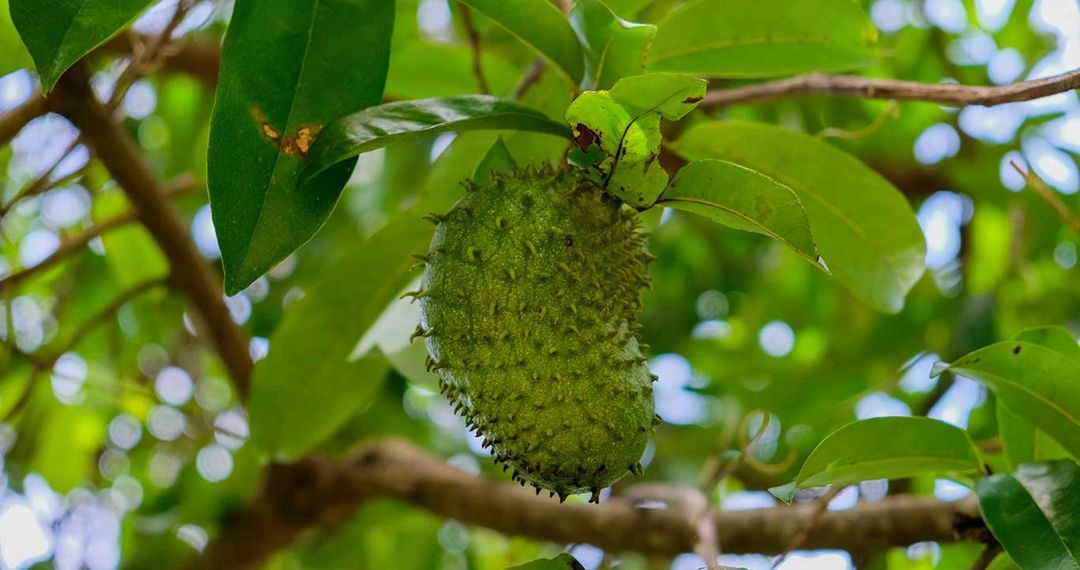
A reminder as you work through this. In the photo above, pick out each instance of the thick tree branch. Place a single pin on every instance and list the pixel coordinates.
(191, 274)
(11, 122)
(318, 492)
(853, 86)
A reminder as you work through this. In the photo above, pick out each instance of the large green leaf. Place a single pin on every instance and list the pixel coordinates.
(306, 388)
(60, 32)
(741, 198)
(1034, 514)
(1035, 381)
(1038, 383)
(614, 48)
(888, 448)
(379, 126)
(624, 124)
(542, 26)
(287, 69)
(762, 38)
(863, 226)
(1021, 441)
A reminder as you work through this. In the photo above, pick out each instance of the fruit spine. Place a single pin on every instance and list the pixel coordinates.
(529, 309)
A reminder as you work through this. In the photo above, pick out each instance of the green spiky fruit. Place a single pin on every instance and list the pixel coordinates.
(529, 310)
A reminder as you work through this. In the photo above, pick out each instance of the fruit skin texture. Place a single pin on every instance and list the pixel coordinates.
(529, 311)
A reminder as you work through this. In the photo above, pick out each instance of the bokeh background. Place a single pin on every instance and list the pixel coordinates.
(129, 448)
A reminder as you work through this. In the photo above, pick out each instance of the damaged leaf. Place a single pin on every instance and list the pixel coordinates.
(624, 123)
(276, 91)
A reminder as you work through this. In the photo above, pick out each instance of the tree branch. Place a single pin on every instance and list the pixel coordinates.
(11, 122)
(74, 99)
(952, 95)
(319, 492)
(477, 50)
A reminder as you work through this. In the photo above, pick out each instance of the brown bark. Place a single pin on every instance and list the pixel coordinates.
(320, 492)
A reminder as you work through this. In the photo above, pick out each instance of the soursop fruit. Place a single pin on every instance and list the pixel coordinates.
(529, 309)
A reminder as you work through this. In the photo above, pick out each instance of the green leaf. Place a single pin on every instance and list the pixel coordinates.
(497, 159)
(540, 25)
(306, 388)
(614, 48)
(379, 126)
(863, 226)
(888, 448)
(741, 198)
(412, 76)
(1022, 442)
(763, 38)
(1033, 513)
(287, 69)
(1054, 338)
(59, 33)
(561, 562)
(13, 54)
(625, 124)
(1040, 384)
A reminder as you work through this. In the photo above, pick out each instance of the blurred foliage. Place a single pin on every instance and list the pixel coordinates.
(130, 443)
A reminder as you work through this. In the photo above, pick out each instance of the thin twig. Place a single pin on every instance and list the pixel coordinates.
(531, 77)
(1049, 196)
(820, 506)
(44, 182)
(987, 556)
(948, 94)
(77, 242)
(148, 58)
(477, 48)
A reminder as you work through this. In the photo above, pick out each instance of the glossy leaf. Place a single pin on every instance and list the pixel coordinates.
(306, 388)
(497, 159)
(1033, 513)
(888, 448)
(738, 197)
(278, 88)
(541, 25)
(561, 562)
(625, 124)
(59, 33)
(379, 126)
(864, 228)
(614, 48)
(762, 38)
(1037, 383)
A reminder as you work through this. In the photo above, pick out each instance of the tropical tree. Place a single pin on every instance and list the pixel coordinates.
(857, 329)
